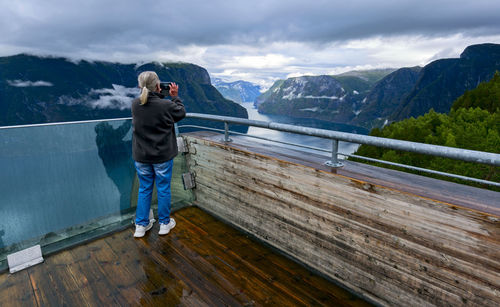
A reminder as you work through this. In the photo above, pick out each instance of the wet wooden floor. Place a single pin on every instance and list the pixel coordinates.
(202, 262)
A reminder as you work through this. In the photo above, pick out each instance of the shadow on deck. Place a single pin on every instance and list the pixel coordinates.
(201, 262)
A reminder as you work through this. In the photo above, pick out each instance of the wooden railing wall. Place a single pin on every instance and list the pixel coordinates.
(392, 247)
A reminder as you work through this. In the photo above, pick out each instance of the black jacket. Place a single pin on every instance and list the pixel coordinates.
(154, 138)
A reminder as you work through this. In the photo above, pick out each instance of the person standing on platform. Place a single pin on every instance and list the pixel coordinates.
(154, 146)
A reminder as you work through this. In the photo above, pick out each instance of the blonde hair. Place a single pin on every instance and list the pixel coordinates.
(147, 82)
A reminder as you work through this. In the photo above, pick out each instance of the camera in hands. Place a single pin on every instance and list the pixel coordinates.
(165, 88)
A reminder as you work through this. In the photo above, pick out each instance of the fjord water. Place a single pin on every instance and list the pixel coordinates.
(344, 147)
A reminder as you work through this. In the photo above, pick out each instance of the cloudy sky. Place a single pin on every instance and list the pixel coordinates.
(259, 40)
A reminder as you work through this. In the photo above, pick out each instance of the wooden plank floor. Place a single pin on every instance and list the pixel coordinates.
(202, 262)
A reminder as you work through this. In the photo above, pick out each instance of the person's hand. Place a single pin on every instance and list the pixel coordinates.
(174, 89)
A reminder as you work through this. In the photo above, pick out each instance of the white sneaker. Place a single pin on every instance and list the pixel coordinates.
(165, 228)
(140, 230)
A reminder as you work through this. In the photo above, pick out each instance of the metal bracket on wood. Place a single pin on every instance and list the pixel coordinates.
(334, 164)
(181, 145)
(25, 258)
(188, 180)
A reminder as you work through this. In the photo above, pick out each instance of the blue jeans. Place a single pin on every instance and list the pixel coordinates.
(147, 174)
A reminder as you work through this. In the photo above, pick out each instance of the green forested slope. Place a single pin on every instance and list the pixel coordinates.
(486, 96)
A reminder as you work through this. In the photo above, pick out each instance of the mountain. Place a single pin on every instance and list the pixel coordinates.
(49, 89)
(331, 98)
(386, 96)
(371, 75)
(374, 98)
(442, 81)
(267, 95)
(472, 123)
(238, 91)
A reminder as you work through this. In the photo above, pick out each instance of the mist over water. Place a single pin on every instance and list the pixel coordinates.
(344, 147)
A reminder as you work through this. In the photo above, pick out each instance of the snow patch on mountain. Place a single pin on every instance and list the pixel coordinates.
(321, 97)
(21, 83)
(315, 109)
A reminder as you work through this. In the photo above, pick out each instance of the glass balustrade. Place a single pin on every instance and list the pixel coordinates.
(63, 184)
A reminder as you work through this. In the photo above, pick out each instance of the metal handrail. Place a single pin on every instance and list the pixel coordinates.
(65, 123)
(434, 150)
(258, 137)
(414, 168)
(428, 149)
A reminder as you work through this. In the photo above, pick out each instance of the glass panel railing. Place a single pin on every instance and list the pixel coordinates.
(63, 184)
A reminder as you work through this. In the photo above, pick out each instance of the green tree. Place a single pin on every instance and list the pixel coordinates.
(485, 96)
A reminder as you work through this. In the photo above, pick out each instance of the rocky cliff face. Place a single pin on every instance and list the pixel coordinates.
(332, 98)
(238, 91)
(41, 89)
(386, 96)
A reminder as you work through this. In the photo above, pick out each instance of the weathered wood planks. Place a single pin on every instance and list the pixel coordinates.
(202, 262)
(394, 247)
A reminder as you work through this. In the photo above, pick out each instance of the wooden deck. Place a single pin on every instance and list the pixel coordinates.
(202, 262)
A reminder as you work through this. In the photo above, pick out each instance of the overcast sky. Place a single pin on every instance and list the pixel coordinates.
(259, 40)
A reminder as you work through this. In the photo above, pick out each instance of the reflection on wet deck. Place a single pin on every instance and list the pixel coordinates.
(202, 262)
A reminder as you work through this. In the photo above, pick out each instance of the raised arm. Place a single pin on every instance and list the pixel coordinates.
(178, 111)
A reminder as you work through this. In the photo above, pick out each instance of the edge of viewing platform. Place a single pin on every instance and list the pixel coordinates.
(449, 193)
(380, 233)
(368, 228)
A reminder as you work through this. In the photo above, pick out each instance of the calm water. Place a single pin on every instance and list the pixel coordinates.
(344, 147)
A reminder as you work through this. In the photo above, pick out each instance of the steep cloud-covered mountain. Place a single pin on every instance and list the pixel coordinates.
(238, 91)
(45, 89)
(333, 98)
(443, 81)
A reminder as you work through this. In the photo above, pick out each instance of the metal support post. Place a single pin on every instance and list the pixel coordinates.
(226, 133)
(334, 162)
